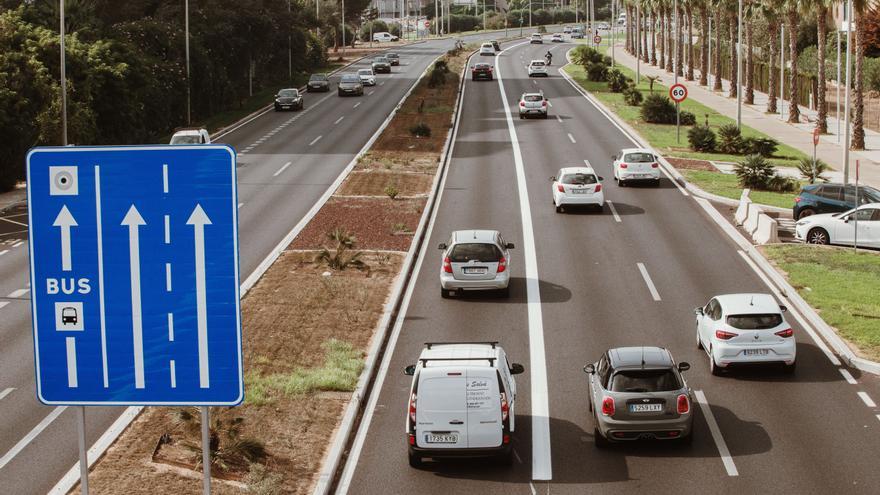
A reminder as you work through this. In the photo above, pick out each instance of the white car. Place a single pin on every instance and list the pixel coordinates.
(536, 38)
(603, 26)
(475, 260)
(566, 29)
(487, 49)
(577, 186)
(557, 38)
(384, 36)
(538, 68)
(367, 77)
(462, 402)
(636, 164)
(740, 329)
(840, 228)
(533, 104)
(191, 136)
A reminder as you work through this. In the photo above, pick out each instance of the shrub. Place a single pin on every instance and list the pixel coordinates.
(755, 172)
(438, 74)
(872, 73)
(632, 96)
(658, 109)
(392, 191)
(701, 138)
(759, 146)
(420, 130)
(339, 258)
(805, 167)
(596, 71)
(542, 29)
(687, 118)
(616, 81)
(783, 184)
(607, 61)
(730, 139)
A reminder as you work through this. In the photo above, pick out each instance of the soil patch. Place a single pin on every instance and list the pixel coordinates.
(381, 183)
(691, 164)
(425, 162)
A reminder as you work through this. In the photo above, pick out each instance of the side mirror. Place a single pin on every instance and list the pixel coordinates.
(553, 179)
(783, 308)
(684, 366)
(601, 178)
(509, 245)
(442, 246)
(410, 370)
(590, 369)
(516, 369)
(698, 311)
(614, 157)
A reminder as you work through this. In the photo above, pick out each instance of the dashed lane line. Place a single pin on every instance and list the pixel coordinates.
(867, 399)
(19, 243)
(315, 140)
(559, 119)
(3, 304)
(613, 211)
(357, 104)
(4, 252)
(571, 138)
(18, 293)
(6, 392)
(339, 120)
(240, 205)
(283, 168)
(18, 447)
(847, 376)
(648, 281)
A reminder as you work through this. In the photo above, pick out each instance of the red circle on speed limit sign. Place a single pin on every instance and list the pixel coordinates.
(678, 93)
(597, 39)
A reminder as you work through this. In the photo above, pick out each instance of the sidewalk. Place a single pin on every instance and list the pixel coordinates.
(798, 136)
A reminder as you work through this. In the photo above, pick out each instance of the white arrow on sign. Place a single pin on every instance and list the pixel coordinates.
(134, 220)
(198, 220)
(65, 221)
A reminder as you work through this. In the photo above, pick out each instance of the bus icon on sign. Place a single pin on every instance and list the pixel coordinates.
(69, 317)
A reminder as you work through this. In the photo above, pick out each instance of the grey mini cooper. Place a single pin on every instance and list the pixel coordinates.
(638, 393)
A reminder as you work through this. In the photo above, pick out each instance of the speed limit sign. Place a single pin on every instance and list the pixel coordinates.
(678, 93)
(597, 39)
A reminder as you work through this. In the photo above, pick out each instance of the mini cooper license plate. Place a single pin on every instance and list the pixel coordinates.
(640, 408)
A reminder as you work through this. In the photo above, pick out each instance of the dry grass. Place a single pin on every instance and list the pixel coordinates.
(375, 182)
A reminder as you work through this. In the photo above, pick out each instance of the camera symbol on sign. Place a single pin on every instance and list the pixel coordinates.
(63, 181)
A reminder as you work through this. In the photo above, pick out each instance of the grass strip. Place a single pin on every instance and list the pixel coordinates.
(727, 185)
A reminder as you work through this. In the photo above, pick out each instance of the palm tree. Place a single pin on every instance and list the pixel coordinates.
(770, 12)
(719, 17)
(669, 39)
(794, 114)
(749, 9)
(690, 40)
(643, 21)
(732, 27)
(653, 36)
(822, 28)
(860, 9)
(679, 41)
(704, 45)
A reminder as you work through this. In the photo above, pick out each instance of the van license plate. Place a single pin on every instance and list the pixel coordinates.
(756, 352)
(639, 408)
(441, 438)
(475, 271)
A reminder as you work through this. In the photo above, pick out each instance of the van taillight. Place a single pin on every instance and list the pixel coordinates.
(684, 404)
(608, 406)
(505, 407)
(447, 265)
(502, 264)
(412, 409)
(412, 439)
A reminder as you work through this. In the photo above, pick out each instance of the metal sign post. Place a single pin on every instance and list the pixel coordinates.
(856, 213)
(815, 144)
(206, 451)
(83, 452)
(678, 93)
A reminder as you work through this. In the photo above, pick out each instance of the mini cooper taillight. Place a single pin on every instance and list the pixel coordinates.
(683, 404)
(608, 406)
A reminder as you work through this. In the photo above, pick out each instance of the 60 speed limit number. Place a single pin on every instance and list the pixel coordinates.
(678, 93)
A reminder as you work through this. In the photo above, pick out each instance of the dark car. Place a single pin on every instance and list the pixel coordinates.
(288, 99)
(496, 45)
(831, 198)
(318, 82)
(381, 64)
(350, 84)
(481, 71)
(393, 58)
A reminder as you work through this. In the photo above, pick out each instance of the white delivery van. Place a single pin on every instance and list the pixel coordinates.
(384, 36)
(462, 402)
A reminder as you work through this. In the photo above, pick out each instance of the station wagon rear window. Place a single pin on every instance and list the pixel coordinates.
(462, 253)
(640, 381)
(754, 322)
(639, 157)
(579, 179)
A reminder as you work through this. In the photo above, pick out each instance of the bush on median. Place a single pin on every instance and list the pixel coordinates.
(702, 139)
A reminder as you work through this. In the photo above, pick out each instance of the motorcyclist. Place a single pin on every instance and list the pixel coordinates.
(549, 57)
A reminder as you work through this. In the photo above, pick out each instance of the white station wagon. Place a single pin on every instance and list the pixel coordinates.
(475, 260)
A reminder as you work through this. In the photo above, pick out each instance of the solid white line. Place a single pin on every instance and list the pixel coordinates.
(18, 293)
(173, 374)
(867, 399)
(339, 120)
(847, 376)
(18, 447)
(282, 169)
(3, 304)
(167, 229)
(4, 252)
(168, 277)
(170, 327)
(357, 104)
(240, 205)
(613, 211)
(542, 468)
(6, 392)
(648, 281)
(571, 138)
(532, 488)
(165, 178)
(315, 140)
(558, 118)
(99, 236)
(19, 243)
(70, 343)
(716, 434)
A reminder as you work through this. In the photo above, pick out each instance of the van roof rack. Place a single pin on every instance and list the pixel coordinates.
(490, 359)
(492, 343)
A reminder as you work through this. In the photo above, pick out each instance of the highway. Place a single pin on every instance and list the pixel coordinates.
(584, 282)
(286, 162)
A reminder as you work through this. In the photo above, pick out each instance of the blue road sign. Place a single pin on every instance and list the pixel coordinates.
(134, 275)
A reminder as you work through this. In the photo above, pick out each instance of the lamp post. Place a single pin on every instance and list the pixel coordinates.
(739, 37)
(846, 142)
(837, 104)
(675, 54)
(188, 83)
(343, 28)
(64, 82)
(289, 52)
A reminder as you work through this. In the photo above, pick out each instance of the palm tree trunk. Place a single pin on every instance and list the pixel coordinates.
(716, 86)
(794, 115)
(750, 64)
(653, 37)
(858, 131)
(679, 42)
(628, 30)
(644, 22)
(690, 42)
(704, 46)
(731, 24)
(773, 30)
(669, 39)
(662, 35)
(822, 119)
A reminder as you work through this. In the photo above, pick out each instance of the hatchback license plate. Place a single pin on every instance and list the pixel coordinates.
(756, 352)
(441, 438)
(475, 271)
(580, 191)
(639, 408)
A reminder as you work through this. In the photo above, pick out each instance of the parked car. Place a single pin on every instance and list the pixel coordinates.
(831, 198)
(481, 71)
(367, 77)
(191, 136)
(536, 38)
(288, 99)
(745, 329)
(318, 82)
(496, 45)
(487, 49)
(384, 37)
(475, 260)
(393, 58)
(350, 84)
(577, 186)
(462, 402)
(556, 38)
(840, 228)
(638, 393)
(566, 29)
(533, 104)
(603, 26)
(635, 164)
(381, 64)
(538, 68)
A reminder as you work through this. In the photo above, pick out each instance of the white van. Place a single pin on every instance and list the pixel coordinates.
(384, 36)
(462, 402)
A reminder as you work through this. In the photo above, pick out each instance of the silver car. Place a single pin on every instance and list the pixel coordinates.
(350, 84)
(475, 260)
(533, 104)
(638, 393)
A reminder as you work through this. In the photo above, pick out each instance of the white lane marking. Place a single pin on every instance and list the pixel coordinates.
(284, 167)
(515, 453)
(4, 252)
(240, 205)
(878, 416)
(13, 221)
(339, 120)
(716, 434)
(165, 178)
(532, 488)
(549, 104)
(18, 293)
(542, 468)
(6, 392)
(315, 140)
(167, 229)
(371, 93)
(587, 163)
(571, 138)
(867, 399)
(357, 104)
(558, 118)
(613, 211)
(847, 376)
(168, 277)
(19, 243)
(648, 281)
(382, 83)
(3, 304)
(535, 82)
(18, 447)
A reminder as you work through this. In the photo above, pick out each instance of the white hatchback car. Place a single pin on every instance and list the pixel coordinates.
(536, 38)
(577, 186)
(840, 228)
(368, 78)
(636, 164)
(538, 68)
(737, 329)
(533, 104)
(475, 260)
(191, 136)
(487, 49)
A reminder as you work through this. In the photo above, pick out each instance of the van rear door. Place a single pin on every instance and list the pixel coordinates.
(441, 410)
(484, 425)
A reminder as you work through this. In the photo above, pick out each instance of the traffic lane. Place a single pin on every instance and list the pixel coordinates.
(672, 237)
(14, 278)
(476, 195)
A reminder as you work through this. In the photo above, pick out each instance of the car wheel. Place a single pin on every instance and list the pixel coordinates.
(339, 92)
(713, 367)
(621, 182)
(806, 212)
(521, 116)
(818, 236)
(699, 342)
(415, 460)
(600, 441)
(656, 182)
(560, 209)
(444, 293)
(789, 369)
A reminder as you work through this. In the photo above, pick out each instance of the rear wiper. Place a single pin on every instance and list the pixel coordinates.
(636, 390)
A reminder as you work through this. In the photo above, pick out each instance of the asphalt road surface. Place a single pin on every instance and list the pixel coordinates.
(807, 433)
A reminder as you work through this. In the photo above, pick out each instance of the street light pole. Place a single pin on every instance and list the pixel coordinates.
(739, 38)
(638, 44)
(64, 82)
(675, 54)
(530, 13)
(343, 28)
(837, 104)
(846, 142)
(188, 83)
(289, 51)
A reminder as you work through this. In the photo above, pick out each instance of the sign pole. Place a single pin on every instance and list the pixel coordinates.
(83, 453)
(678, 93)
(206, 452)
(815, 144)
(677, 122)
(856, 213)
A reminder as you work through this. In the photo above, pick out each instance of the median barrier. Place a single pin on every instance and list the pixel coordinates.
(742, 211)
(767, 230)
(751, 223)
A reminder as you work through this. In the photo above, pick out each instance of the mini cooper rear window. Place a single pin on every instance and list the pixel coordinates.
(640, 381)
(579, 179)
(754, 322)
(462, 253)
(639, 157)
